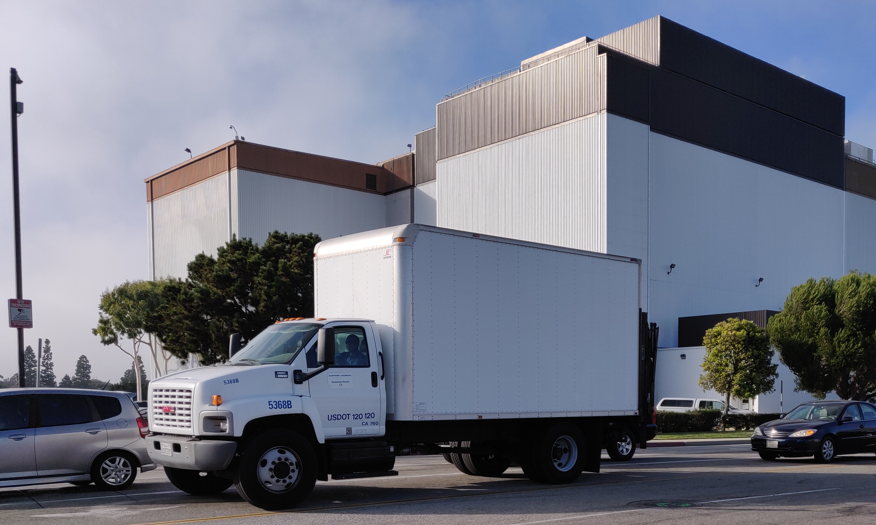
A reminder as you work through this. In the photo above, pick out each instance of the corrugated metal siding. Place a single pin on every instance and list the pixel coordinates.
(150, 240)
(626, 169)
(426, 156)
(860, 217)
(706, 60)
(187, 175)
(725, 222)
(641, 41)
(267, 203)
(188, 222)
(692, 329)
(557, 52)
(398, 207)
(546, 187)
(425, 206)
(558, 91)
(402, 167)
(860, 178)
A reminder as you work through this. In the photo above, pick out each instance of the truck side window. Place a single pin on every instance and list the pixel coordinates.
(351, 347)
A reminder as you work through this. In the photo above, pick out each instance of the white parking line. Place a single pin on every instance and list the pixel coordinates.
(768, 496)
(48, 502)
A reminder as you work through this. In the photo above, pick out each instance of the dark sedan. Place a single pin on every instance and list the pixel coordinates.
(823, 429)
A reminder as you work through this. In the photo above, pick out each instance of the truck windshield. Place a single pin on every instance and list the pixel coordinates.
(277, 344)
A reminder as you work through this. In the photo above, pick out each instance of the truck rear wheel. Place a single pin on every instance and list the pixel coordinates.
(558, 454)
(621, 446)
(456, 458)
(487, 465)
(196, 483)
(277, 470)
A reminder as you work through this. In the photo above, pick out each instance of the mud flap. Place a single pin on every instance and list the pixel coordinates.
(593, 434)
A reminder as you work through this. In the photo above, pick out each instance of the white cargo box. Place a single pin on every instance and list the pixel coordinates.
(484, 327)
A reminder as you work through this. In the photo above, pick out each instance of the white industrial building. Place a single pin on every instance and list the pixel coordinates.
(655, 142)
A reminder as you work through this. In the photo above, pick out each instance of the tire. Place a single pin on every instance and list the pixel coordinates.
(456, 458)
(114, 470)
(826, 451)
(622, 447)
(197, 483)
(486, 465)
(447, 458)
(767, 456)
(293, 458)
(558, 454)
(81, 483)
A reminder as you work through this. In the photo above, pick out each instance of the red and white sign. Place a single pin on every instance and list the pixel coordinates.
(20, 313)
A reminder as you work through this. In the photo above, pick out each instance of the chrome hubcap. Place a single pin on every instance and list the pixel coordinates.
(625, 445)
(564, 453)
(279, 469)
(115, 470)
(827, 450)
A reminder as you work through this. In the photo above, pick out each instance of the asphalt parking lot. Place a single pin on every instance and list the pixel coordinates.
(721, 484)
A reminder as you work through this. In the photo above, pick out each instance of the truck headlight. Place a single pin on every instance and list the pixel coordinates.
(803, 433)
(215, 424)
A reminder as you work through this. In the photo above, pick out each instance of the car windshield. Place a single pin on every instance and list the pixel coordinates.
(277, 344)
(815, 412)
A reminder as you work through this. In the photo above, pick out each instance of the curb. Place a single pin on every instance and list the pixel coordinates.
(696, 442)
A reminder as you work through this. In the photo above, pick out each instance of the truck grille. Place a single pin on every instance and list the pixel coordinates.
(171, 407)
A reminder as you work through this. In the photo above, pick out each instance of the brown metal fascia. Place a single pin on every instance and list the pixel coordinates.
(190, 161)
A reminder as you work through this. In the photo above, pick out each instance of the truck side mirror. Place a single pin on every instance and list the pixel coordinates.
(233, 345)
(325, 349)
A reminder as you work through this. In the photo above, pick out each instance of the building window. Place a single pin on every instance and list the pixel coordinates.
(370, 182)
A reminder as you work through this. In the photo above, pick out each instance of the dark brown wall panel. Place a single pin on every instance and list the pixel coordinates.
(187, 174)
(695, 112)
(691, 330)
(704, 59)
(861, 178)
(402, 169)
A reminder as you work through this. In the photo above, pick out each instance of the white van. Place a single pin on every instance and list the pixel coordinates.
(687, 404)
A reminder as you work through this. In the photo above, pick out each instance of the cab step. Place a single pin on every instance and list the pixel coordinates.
(356, 475)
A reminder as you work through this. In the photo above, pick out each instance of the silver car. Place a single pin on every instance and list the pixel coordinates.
(57, 435)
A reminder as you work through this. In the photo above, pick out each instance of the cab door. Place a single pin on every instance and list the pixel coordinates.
(349, 394)
(16, 438)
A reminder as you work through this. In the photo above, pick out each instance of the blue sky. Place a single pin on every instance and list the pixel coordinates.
(114, 92)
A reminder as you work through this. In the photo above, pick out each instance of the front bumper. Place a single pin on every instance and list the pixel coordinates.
(188, 453)
(786, 446)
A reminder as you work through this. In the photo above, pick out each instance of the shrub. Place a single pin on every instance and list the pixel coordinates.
(707, 420)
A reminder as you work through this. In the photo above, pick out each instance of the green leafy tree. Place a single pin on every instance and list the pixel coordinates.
(47, 367)
(826, 335)
(30, 367)
(66, 382)
(244, 289)
(82, 376)
(129, 316)
(738, 361)
(9, 382)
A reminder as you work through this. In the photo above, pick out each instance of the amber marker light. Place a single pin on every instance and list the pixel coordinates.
(217, 400)
(399, 239)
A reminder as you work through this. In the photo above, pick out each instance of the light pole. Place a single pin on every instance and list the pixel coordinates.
(17, 109)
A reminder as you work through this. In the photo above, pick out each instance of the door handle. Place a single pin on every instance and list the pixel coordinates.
(374, 379)
(93, 431)
(382, 366)
(17, 437)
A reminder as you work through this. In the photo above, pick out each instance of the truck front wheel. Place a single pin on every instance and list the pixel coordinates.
(487, 465)
(558, 454)
(196, 483)
(621, 446)
(277, 470)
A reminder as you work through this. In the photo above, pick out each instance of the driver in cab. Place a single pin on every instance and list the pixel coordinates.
(353, 356)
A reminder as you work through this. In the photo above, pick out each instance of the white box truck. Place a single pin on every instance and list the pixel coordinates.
(491, 351)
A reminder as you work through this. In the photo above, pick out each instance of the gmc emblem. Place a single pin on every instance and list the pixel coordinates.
(169, 409)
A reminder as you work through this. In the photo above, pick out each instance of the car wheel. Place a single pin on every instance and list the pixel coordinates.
(558, 454)
(487, 465)
(826, 451)
(622, 447)
(196, 483)
(277, 470)
(767, 456)
(115, 470)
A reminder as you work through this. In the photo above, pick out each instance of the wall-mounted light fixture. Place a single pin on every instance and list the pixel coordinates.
(759, 281)
(671, 267)
(684, 356)
(189, 152)
(409, 148)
